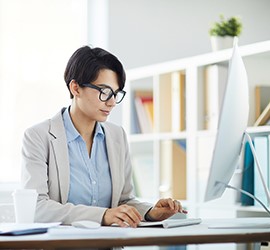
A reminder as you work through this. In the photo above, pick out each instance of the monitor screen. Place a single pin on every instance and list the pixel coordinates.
(232, 124)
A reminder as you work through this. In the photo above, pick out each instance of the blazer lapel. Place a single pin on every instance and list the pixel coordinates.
(113, 156)
(59, 145)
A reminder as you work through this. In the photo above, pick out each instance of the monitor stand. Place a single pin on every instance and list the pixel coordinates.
(247, 136)
(266, 190)
(248, 222)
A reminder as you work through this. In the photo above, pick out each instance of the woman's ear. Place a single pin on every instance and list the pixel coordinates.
(74, 88)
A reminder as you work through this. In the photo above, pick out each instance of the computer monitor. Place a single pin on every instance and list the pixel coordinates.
(232, 124)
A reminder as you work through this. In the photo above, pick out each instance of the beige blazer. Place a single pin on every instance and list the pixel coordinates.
(45, 167)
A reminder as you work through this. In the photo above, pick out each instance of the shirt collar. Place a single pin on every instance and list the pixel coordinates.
(99, 130)
(72, 132)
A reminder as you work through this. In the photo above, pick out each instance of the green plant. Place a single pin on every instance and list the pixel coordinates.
(229, 27)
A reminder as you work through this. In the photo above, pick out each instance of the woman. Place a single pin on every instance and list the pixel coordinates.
(79, 163)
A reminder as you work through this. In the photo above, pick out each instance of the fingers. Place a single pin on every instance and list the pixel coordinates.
(123, 215)
(174, 205)
(129, 216)
(178, 207)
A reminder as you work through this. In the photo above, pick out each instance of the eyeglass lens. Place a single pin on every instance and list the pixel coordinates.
(107, 93)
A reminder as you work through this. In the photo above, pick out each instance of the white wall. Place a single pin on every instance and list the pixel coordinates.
(36, 40)
(37, 37)
(145, 32)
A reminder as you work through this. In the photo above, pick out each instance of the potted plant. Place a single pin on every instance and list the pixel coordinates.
(223, 32)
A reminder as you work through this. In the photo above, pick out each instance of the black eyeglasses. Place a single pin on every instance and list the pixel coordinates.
(106, 92)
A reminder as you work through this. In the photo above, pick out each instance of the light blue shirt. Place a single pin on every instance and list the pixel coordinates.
(90, 177)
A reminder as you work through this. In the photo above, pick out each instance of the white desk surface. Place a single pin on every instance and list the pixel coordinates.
(114, 236)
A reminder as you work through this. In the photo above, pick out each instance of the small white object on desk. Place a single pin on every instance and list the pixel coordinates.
(25, 201)
(86, 224)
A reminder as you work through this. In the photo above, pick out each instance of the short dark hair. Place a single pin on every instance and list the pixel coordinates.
(86, 62)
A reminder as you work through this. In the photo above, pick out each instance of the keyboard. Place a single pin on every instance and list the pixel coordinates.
(170, 223)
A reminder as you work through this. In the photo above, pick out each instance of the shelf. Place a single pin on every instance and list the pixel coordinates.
(157, 136)
(179, 94)
(197, 61)
(259, 130)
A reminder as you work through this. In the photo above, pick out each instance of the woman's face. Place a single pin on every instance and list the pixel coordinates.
(89, 103)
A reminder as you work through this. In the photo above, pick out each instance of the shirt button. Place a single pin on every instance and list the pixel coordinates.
(94, 183)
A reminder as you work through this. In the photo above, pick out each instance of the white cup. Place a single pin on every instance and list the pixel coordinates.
(25, 201)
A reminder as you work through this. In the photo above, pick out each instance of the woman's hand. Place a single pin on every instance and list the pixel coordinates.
(123, 215)
(164, 209)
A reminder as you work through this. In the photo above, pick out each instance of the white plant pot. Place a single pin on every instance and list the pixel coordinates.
(219, 43)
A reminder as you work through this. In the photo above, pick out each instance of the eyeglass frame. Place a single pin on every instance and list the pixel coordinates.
(114, 93)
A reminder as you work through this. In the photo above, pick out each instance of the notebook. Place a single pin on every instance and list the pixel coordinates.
(13, 229)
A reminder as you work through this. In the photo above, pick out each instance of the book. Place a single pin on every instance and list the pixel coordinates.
(262, 98)
(248, 176)
(179, 172)
(164, 118)
(264, 116)
(171, 102)
(173, 169)
(134, 122)
(178, 101)
(261, 147)
(215, 86)
(144, 110)
(149, 108)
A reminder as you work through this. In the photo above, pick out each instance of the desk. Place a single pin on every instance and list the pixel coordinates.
(197, 234)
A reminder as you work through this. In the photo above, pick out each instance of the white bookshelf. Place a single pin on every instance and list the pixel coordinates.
(257, 61)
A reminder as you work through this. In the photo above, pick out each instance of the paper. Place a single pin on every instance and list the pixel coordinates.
(101, 232)
(240, 223)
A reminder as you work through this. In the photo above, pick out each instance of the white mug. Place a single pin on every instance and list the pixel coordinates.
(25, 201)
